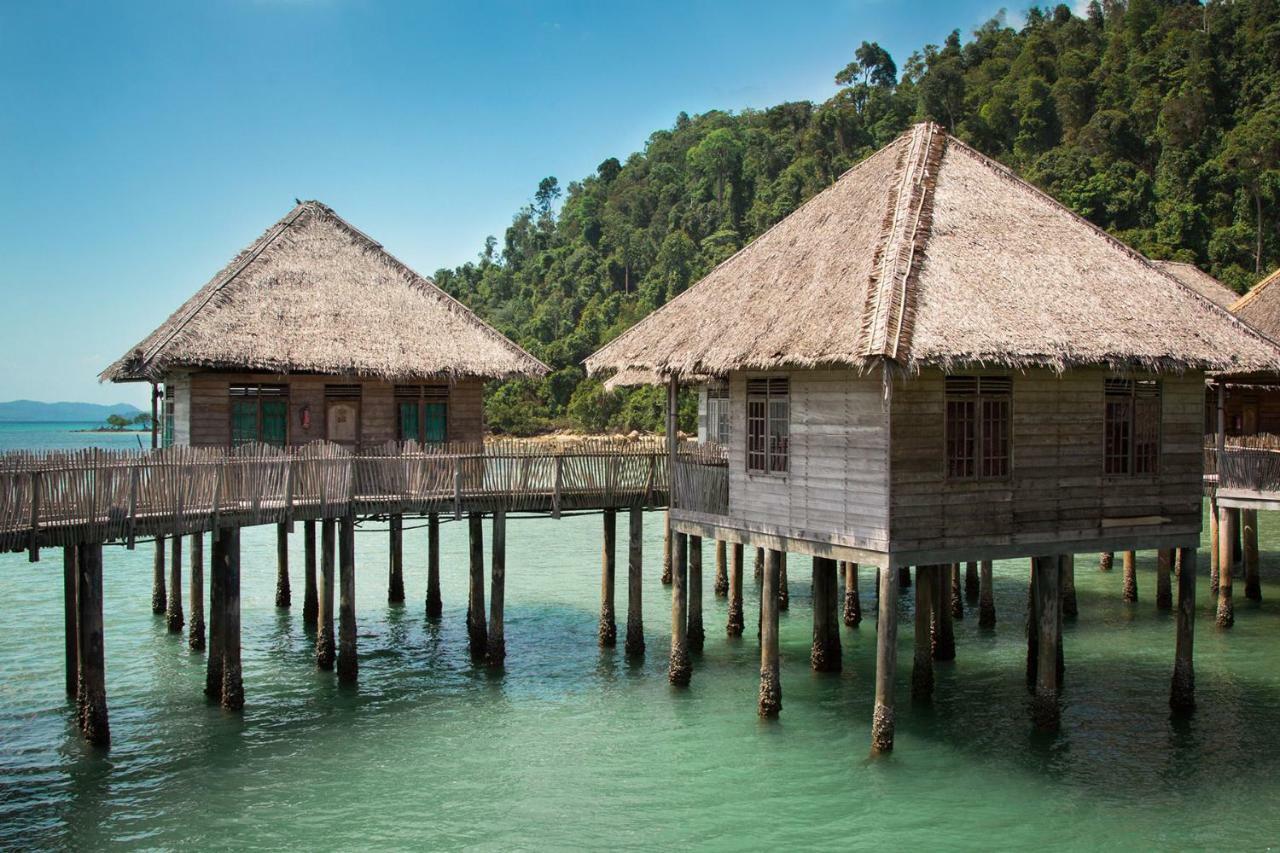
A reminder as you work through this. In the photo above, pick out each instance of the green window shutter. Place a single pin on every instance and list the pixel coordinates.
(437, 422)
(409, 421)
(275, 422)
(244, 422)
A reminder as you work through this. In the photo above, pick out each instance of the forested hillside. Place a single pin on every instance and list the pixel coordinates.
(1159, 121)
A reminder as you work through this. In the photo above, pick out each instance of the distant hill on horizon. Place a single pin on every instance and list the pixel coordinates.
(34, 410)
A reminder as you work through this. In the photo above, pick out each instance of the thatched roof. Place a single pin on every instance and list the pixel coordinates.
(1199, 281)
(1260, 307)
(315, 295)
(928, 253)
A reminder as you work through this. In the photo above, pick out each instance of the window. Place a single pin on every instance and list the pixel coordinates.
(422, 413)
(718, 413)
(1131, 427)
(259, 413)
(978, 415)
(768, 425)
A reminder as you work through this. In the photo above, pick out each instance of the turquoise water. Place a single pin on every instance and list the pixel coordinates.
(571, 746)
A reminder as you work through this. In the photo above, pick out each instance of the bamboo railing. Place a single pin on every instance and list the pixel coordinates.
(702, 479)
(65, 497)
(1248, 463)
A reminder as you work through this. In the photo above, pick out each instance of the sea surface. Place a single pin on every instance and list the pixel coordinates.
(573, 747)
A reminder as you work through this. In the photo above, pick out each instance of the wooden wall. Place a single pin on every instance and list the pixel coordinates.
(1249, 410)
(837, 480)
(1057, 492)
(208, 420)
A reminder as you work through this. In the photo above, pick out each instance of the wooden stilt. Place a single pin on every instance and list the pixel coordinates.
(310, 603)
(852, 603)
(325, 644)
(825, 653)
(1182, 691)
(1226, 536)
(882, 720)
(1164, 567)
(697, 635)
(213, 660)
(284, 595)
(770, 676)
(922, 662)
(1215, 548)
(91, 674)
(496, 646)
(759, 566)
(348, 666)
(195, 632)
(1130, 576)
(736, 622)
(158, 597)
(944, 636)
(1033, 631)
(1237, 541)
(722, 569)
(986, 597)
(70, 615)
(395, 568)
(477, 632)
(784, 587)
(957, 596)
(226, 562)
(435, 605)
(904, 578)
(635, 582)
(1047, 571)
(1249, 531)
(971, 582)
(608, 631)
(666, 548)
(679, 670)
(173, 612)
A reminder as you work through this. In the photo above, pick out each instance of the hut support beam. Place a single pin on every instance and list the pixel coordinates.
(1249, 532)
(477, 632)
(722, 569)
(91, 676)
(824, 656)
(666, 548)
(986, 597)
(784, 587)
(1105, 561)
(348, 666)
(324, 620)
(971, 581)
(226, 563)
(1048, 605)
(1164, 568)
(195, 632)
(957, 595)
(922, 661)
(284, 595)
(944, 635)
(1226, 537)
(904, 578)
(852, 603)
(70, 619)
(173, 611)
(435, 605)
(736, 622)
(496, 645)
(758, 568)
(213, 661)
(882, 719)
(697, 635)
(1070, 607)
(395, 567)
(158, 597)
(1130, 577)
(608, 632)
(635, 582)
(770, 677)
(1214, 548)
(310, 602)
(1182, 691)
(679, 670)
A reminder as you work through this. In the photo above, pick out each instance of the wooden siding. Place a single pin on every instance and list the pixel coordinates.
(1057, 492)
(181, 385)
(210, 407)
(1249, 410)
(837, 482)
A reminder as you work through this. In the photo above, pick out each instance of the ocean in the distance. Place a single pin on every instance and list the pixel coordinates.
(33, 435)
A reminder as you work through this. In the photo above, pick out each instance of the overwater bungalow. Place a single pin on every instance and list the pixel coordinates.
(316, 332)
(934, 362)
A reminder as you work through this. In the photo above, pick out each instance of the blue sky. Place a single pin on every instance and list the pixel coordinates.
(143, 144)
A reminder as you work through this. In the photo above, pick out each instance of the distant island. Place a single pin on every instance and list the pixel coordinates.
(34, 411)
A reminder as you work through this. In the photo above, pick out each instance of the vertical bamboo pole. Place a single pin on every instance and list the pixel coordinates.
(944, 636)
(736, 622)
(496, 644)
(986, 597)
(324, 619)
(1130, 576)
(1182, 691)
(635, 580)
(1164, 567)
(696, 635)
(722, 569)
(173, 610)
(226, 562)
(284, 595)
(477, 632)
(882, 719)
(195, 633)
(608, 631)
(770, 677)
(310, 603)
(922, 661)
(1252, 581)
(679, 670)
(91, 674)
(825, 653)
(435, 605)
(395, 568)
(852, 602)
(158, 598)
(70, 616)
(957, 596)
(1226, 535)
(971, 581)
(348, 665)
(1049, 622)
